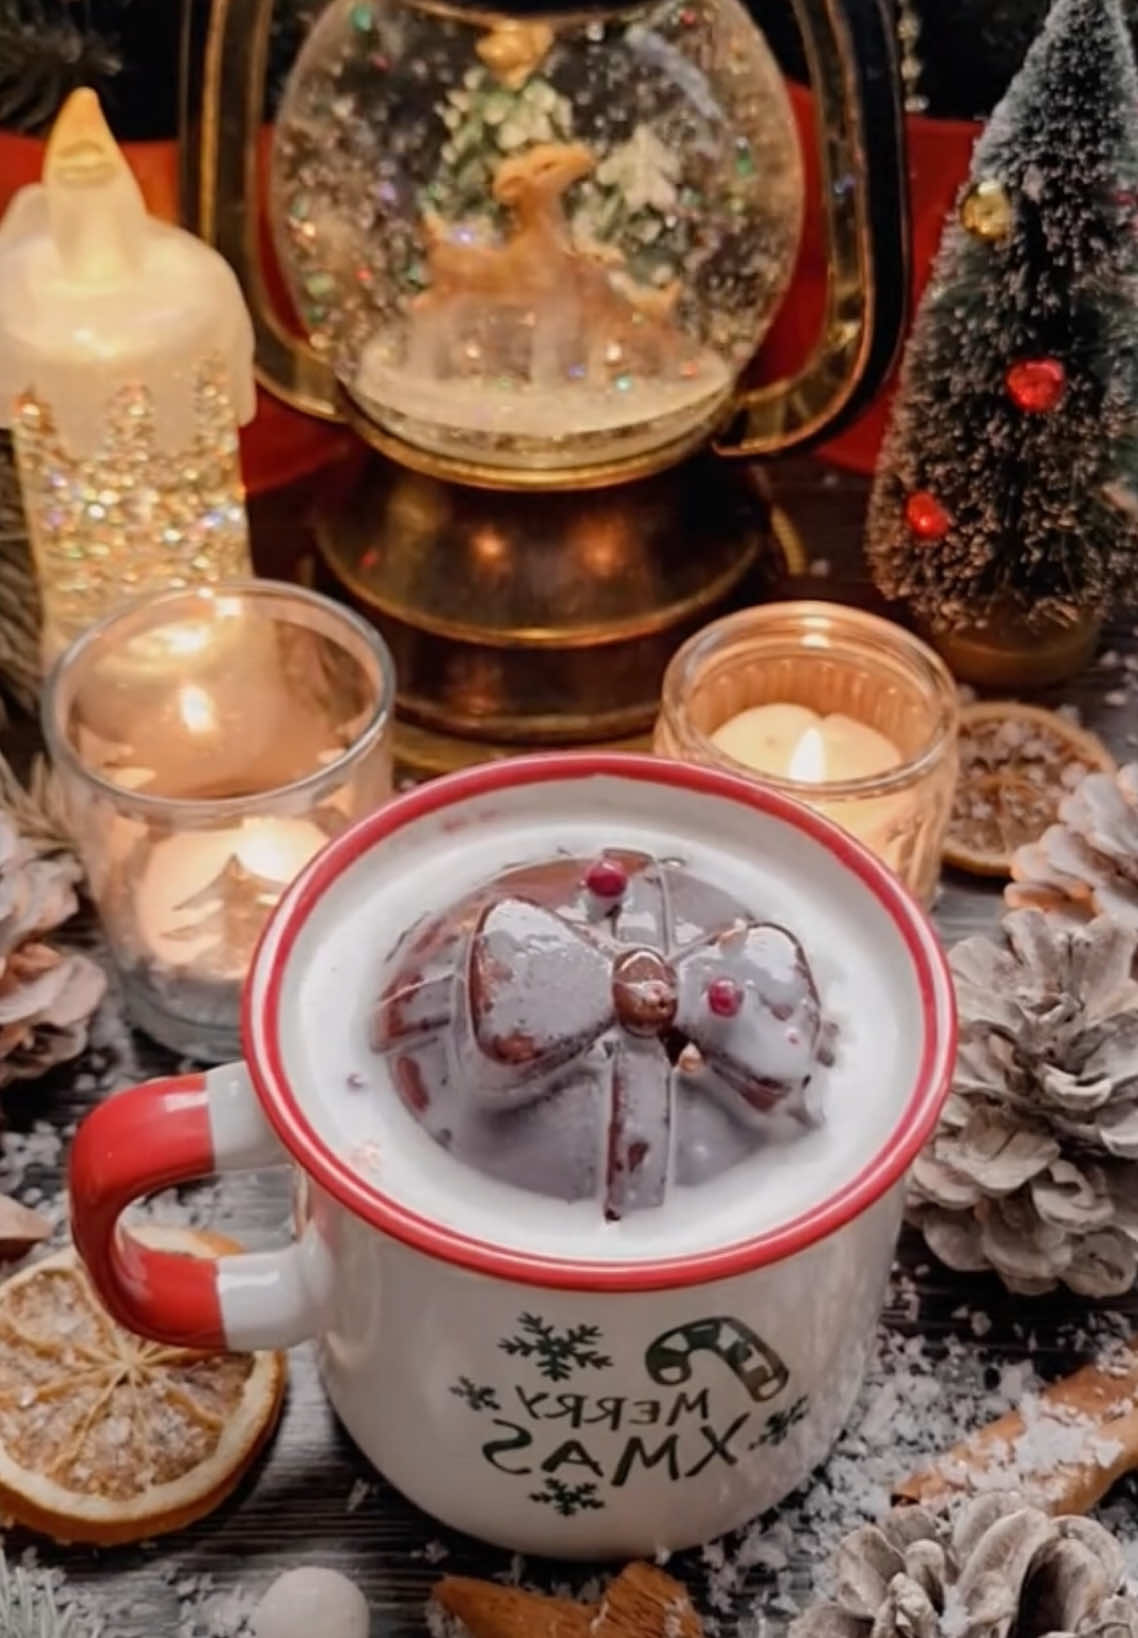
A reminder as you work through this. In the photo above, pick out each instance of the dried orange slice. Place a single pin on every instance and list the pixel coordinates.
(106, 1438)
(1017, 763)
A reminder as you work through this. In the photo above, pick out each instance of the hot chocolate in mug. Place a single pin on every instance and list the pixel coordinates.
(600, 1076)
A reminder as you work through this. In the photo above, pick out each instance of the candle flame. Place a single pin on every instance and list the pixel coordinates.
(808, 759)
(196, 709)
(277, 849)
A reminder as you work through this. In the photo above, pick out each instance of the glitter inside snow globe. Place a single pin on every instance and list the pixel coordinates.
(538, 240)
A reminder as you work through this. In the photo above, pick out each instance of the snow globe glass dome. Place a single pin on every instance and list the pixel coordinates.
(540, 240)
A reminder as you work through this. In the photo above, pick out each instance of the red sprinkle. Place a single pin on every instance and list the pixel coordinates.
(724, 997)
(607, 879)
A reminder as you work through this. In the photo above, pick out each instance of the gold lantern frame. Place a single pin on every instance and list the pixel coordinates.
(523, 668)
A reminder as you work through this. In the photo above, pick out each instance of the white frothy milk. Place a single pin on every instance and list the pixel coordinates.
(864, 972)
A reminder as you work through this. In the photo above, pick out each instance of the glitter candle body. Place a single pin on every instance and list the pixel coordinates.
(125, 369)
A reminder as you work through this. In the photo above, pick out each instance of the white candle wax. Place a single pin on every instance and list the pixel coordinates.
(793, 742)
(203, 896)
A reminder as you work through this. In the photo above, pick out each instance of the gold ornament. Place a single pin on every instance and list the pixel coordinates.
(511, 51)
(986, 210)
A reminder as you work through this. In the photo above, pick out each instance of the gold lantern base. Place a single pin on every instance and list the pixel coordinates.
(521, 619)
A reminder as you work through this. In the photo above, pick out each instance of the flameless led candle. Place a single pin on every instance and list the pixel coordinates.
(841, 710)
(125, 367)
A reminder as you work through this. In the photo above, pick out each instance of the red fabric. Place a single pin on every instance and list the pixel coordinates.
(939, 154)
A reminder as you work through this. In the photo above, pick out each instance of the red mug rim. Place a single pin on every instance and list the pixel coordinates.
(265, 1060)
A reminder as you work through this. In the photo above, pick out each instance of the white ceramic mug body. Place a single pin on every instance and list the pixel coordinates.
(582, 1425)
(555, 1385)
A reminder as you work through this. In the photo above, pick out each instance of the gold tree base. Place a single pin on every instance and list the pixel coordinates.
(522, 620)
(1008, 654)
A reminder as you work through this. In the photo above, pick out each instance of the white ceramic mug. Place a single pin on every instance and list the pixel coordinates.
(521, 1369)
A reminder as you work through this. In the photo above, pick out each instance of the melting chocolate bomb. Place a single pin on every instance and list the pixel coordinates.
(599, 1029)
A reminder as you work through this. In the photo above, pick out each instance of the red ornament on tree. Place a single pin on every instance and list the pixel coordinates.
(925, 515)
(1036, 385)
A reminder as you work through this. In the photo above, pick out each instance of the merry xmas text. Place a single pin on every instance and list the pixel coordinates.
(688, 1440)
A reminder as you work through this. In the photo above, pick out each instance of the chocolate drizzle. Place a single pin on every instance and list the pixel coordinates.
(589, 1044)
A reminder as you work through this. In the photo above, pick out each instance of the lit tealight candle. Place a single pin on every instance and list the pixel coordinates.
(203, 706)
(795, 743)
(884, 772)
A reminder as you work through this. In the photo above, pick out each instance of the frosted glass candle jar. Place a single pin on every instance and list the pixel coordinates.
(209, 743)
(850, 714)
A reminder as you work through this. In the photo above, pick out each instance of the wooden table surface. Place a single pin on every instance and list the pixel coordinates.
(305, 1502)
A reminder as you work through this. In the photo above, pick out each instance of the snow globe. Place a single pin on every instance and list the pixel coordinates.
(536, 241)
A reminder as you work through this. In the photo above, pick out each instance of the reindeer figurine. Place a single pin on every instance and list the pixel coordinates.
(571, 307)
(527, 273)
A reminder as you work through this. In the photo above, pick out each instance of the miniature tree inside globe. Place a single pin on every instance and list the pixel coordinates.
(541, 242)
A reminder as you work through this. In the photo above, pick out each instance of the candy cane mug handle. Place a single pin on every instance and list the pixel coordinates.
(172, 1131)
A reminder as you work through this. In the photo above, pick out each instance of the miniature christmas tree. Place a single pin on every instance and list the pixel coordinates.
(1005, 485)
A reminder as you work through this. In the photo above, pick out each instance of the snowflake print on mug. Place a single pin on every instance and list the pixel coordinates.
(556, 1354)
(568, 1499)
(478, 1398)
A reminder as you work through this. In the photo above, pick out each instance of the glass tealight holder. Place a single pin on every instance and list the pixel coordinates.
(845, 712)
(208, 744)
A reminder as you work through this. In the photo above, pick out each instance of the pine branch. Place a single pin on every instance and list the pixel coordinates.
(45, 53)
(40, 814)
(28, 1607)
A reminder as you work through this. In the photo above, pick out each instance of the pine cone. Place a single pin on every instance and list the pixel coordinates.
(995, 1567)
(1031, 1171)
(47, 996)
(1087, 864)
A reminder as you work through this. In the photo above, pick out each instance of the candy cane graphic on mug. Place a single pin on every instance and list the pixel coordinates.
(668, 1360)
